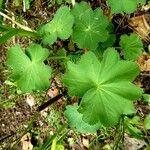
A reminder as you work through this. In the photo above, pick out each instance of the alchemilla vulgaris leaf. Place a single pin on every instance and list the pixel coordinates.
(90, 26)
(75, 120)
(127, 6)
(28, 69)
(105, 87)
(59, 27)
(132, 46)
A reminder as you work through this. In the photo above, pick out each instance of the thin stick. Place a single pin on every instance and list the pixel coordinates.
(6, 136)
(50, 102)
(13, 21)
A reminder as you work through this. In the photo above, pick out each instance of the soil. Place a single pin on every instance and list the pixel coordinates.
(14, 120)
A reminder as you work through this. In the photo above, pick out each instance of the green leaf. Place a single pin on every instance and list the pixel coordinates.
(79, 10)
(109, 42)
(28, 69)
(75, 120)
(146, 98)
(134, 131)
(26, 4)
(90, 26)
(9, 32)
(7, 36)
(147, 122)
(2, 4)
(59, 27)
(105, 87)
(132, 46)
(126, 6)
(130, 125)
(99, 52)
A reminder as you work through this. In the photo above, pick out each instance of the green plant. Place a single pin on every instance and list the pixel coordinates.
(102, 80)
(28, 70)
(26, 4)
(131, 126)
(75, 120)
(2, 4)
(8, 32)
(132, 46)
(126, 6)
(100, 88)
(90, 26)
(59, 27)
(147, 122)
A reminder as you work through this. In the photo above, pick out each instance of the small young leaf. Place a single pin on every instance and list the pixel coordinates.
(132, 46)
(75, 120)
(126, 6)
(59, 27)
(104, 87)
(147, 122)
(90, 26)
(28, 70)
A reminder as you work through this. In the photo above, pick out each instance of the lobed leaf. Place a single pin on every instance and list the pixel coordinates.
(28, 69)
(90, 26)
(132, 46)
(105, 87)
(75, 120)
(59, 27)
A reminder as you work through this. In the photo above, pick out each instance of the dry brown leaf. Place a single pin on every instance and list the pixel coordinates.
(133, 144)
(30, 101)
(52, 92)
(144, 62)
(140, 26)
(26, 142)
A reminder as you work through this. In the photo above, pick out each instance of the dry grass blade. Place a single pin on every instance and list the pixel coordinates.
(141, 27)
(14, 22)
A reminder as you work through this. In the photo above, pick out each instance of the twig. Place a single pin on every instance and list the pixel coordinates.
(50, 102)
(6, 136)
(13, 21)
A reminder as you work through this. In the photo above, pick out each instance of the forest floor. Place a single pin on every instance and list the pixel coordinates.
(25, 124)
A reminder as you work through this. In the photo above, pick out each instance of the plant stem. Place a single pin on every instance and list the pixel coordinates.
(121, 133)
